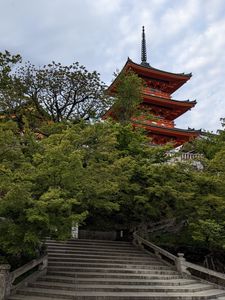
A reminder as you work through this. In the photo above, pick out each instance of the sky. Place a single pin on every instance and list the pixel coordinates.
(181, 35)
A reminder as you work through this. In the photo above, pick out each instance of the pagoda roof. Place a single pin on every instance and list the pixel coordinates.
(168, 131)
(173, 80)
(147, 66)
(178, 107)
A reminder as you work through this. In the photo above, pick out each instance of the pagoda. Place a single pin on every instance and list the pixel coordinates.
(158, 108)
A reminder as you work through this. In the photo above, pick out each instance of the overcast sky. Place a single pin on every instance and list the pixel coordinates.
(182, 36)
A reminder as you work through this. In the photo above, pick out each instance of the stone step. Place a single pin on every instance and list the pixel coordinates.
(99, 255)
(87, 241)
(29, 297)
(86, 252)
(98, 274)
(99, 246)
(117, 281)
(65, 294)
(75, 257)
(196, 287)
(101, 250)
(132, 251)
(68, 260)
(102, 265)
(111, 270)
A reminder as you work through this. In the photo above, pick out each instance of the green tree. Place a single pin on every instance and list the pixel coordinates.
(53, 91)
(11, 90)
(209, 143)
(64, 92)
(26, 217)
(128, 96)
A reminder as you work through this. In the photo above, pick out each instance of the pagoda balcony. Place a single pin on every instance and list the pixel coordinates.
(154, 120)
(163, 123)
(154, 92)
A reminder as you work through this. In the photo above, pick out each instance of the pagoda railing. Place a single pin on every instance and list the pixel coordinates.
(181, 156)
(191, 156)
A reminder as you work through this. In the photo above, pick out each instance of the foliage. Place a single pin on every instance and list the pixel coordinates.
(209, 232)
(51, 92)
(11, 89)
(128, 96)
(78, 171)
(209, 144)
(25, 217)
(7, 62)
(204, 210)
(64, 92)
(103, 175)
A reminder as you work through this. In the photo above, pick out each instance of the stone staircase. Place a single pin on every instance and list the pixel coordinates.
(91, 270)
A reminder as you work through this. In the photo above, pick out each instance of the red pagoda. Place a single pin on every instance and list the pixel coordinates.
(157, 102)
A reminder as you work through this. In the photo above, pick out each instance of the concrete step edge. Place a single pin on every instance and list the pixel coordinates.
(95, 256)
(89, 241)
(67, 294)
(94, 287)
(115, 271)
(107, 262)
(113, 275)
(118, 266)
(109, 280)
(99, 250)
(105, 245)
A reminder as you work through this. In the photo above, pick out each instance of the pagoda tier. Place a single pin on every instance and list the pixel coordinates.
(163, 81)
(158, 110)
(166, 107)
(160, 135)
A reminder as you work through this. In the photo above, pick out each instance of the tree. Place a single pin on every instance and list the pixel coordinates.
(11, 89)
(79, 172)
(65, 92)
(209, 143)
(53, 91)
(7, 62)
(128, 96)
(26, 217)
(103, 175)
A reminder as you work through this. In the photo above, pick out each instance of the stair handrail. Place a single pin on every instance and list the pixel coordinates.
(138, 240)
(7, 278)
(205, 270)
(182, 265)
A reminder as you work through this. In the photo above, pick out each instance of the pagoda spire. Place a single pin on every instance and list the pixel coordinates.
(143, 49)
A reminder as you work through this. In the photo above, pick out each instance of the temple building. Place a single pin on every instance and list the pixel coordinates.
(158, 107)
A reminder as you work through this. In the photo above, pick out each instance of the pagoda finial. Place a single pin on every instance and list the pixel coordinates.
(143, 49)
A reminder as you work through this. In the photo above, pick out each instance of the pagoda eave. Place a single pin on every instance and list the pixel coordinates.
(172, 81)
(176, 108)
(164, 74)
(168, 131)
(161, 135)
(167, 102)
